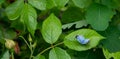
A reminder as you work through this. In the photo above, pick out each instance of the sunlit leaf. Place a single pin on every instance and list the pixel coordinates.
(51, 29)
(39, 57)
(50, 4)
(71, 42)
(39, 4)
(58, 53)
(56, 3)
(29, 18)
(109, 55)
(61, 3)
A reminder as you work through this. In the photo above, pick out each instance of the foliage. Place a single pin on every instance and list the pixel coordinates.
(47, 29)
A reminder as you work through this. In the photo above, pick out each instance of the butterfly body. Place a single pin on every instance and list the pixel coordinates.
(81, 39)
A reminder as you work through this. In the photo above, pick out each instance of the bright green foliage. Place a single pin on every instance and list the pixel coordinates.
(14, 10)
(39, 57)
(58, 53)
(50, 4)
(47, 29)
(99, 16)
(39, 4)
(6, 55)
(29, 18)
(60, 3)
(27, 13)
(51, 29)
(109, 55)
(56, 3)
(78, 24)
(82, 3)
(71, 42)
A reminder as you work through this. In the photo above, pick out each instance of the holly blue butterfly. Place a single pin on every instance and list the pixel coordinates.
(82, 40)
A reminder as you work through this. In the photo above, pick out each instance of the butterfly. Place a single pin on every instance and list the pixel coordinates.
(81, 39)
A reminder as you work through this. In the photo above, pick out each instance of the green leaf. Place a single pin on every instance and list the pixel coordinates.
(82, 3)
(51, 29)
(19, 26)
(6, 55)
(58, 53)
(112, 41)
(13, 11)
(39, 4)
(9, 34)
(112, 34)
(50, 4)
(71, 42)
(29, 18)
(61, 3)
(78, 24)
(2, 1)
(56, 3)
(98, 16)
(109, 3)
(39, 57)
(109, 55)
(117, 3)
(116, 55)
(72, 14)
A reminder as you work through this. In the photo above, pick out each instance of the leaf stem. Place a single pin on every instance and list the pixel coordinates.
(29, 46)
(50, 47)
(31, 49)
(12, 55)
(25, 42)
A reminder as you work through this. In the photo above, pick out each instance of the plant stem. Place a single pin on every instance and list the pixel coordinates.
(29, 46)
(12, 55)
(50, 47)
(45, 50)
(31, 49)
(26, 42)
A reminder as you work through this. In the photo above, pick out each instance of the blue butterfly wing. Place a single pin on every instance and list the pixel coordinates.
(80, 39)
(85, 41)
